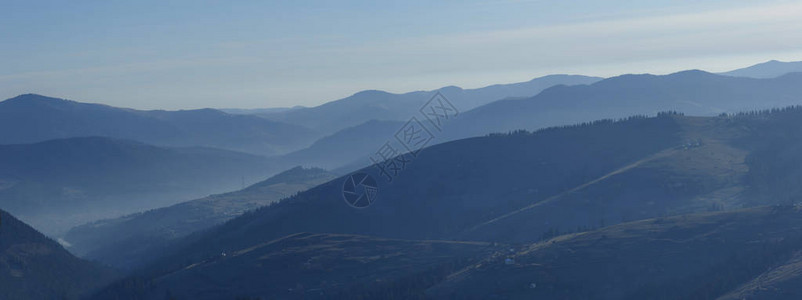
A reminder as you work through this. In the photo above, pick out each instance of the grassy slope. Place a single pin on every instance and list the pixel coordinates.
(313, 266)
(680, 179)
(689, 257)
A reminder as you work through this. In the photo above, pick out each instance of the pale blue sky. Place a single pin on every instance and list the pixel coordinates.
(247, 54)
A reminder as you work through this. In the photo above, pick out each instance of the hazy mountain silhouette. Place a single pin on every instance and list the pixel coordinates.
(692, 92)
(378, 105)
(57, 184)
(253, 111)
(35, 267)
(510, 195)
(345, 146)
(146, 234)
(33, 118)
(769, 69)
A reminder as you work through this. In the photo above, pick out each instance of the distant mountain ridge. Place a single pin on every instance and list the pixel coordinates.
(769, 69)
(692, 92)
(33, 118)
(383, 106)
(264, 132)
(251, 111)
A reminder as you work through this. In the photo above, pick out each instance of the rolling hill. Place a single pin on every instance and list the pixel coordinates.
(345, 146)
(703, 256)
(453, 186)
(57, 184)
(519, 191)
(524, 187)
(750, 253)
(35, 267)
(145, 234)
(310, 266)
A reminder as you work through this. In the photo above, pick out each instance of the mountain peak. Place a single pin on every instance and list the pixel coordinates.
(695, 72)
(369, 93)
(35, 101)
(450, 88)
(34, 97)
(769, 69)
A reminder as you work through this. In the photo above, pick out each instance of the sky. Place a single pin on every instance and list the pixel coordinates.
(257, 54)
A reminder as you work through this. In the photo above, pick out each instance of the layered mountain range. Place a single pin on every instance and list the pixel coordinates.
(631, 187)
